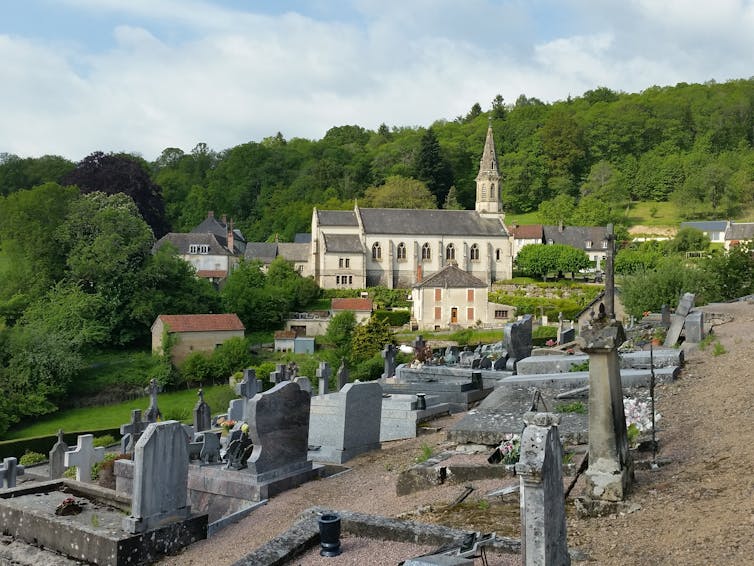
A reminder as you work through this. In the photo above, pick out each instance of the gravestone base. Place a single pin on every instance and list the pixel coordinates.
(141, 525)
(95, 536)
(241, 484)
(401, 415)
(587, 508)
(459, 395)
(605, 481)
(334, 455)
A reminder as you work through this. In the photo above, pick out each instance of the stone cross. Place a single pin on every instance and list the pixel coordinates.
(388, 354)
(57, 457)
(543, 538)
(609, 274)
(279, 375)
(323, 375)
(131, 432)
(9, 471)
(249, 386)
(153, 412)
(419, 344)
(84, 457)
(202, 414)
(292, 370)
(342, 375)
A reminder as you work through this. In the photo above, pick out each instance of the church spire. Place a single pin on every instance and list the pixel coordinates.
(488, 178)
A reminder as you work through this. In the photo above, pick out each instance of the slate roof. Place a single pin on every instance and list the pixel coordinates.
(302, 238)
(201, 322)
(337, 218)
(261, 251)
(343, 243)
(452, 277)
(740, 231)
(182, 242)
(294, 252)
(576, 236)
(351, 304)
(707, 225)
(212, 225)
(429, 222)
(527, 231)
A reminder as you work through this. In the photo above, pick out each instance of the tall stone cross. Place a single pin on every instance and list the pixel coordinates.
(131, 432)
(249, 386)
(388, 354)
(153, 412)
(610, 274)
(323, 375)
(9, 471)
(57, 457)
(202, 414)
(84, 457)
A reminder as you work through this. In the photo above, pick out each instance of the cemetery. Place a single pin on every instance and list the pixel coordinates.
(510, 413)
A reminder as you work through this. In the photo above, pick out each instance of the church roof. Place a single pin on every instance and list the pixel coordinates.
(488, 162)
(452, 277)
(429, 222)
(343, 243)
(337, 218)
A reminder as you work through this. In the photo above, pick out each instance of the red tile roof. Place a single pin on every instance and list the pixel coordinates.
(527, 232)
(201, 322)
(351, 304)
(285, 334)
(212, 273)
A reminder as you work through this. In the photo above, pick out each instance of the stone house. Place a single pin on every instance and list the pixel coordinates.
(361, 308)
(288, 341)
(266, 252)
(590, 239)
(454, 298)
(526, 234)
(737, 232)
(194, 333)
(713, 229)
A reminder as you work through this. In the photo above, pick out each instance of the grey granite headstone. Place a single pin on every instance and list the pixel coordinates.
(665, 316)
(685, 304)
(567, 335)
(465, 358)
(304, 383)
(323, 377)
(388, 354)
(131, 432)
(249, 385)
(153, 412)
(160, 481)
(499, 364)
(475, 361)
(207, 446)
(518, 339)
(485, 363)
(342, 375)
(202, 414)
(9, 471)
(678, 320)
(236, 409)
(543, 539)
(419, 344)
(695, 327)
(84, 457)
(279, 375)
(279, 429)
(57, 457)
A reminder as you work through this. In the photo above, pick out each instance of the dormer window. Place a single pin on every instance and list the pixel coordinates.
(604, 244)
(588, 244)
(198, 249)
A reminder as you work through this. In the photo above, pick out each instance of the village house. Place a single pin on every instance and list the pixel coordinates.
(591, 239)
(737, 232)
(193, 333)
(361, 307)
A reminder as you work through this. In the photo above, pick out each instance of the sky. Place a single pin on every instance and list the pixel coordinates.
(78, 76)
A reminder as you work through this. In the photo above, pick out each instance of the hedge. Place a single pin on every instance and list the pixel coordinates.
(43, 444)
(394, 318)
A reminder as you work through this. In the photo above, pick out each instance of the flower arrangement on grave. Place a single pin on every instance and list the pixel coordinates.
(638, 418)
(550, 343)
(227, 424)
(510, 448)
(69, 506)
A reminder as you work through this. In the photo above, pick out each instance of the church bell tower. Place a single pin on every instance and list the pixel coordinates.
(488, 179)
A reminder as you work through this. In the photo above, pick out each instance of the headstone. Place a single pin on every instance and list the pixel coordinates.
(160, 481)
(342, 375)
(539, 468)
(485, 363)
(153, 412)
(279, 375)
(236, 409)
(207, 446)
(292, 370)
(518, 339)
(304, 383)
(131, 432)
(279, 430)
(610, 471)
(499, 364)
(9, 471)
(388, 354)
(685, 304)
(84, 457)
(202, 414)
(475, 361)
(419, 345)
(665, 316)
(249, 385)
(476, 380)
(451, 355)
(567, 335)
(695, 327)
(323, 377)
(57, 457)
(464, 359)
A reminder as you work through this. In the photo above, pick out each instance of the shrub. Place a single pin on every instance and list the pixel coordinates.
(575, 407)
(31, 458)
(394, 318)
(178, 414)
(104, 440)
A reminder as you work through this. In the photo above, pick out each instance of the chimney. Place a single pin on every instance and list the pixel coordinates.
(231, 240)
(210, 214)
(419, 273)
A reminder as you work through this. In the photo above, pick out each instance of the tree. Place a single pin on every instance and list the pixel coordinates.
(432, 167)
(111, 174)
(340, 333)
(370, 338)
(498, 107)
(399, 192)
(571, 259)
(688, 239)
(300, 290)
(593, 211)
(538, 259)
(557, 210)
(451, 201)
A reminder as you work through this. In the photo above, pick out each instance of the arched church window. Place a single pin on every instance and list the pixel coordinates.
(376, 251)
(401, 251)
(474, 252)
(498, 254)
(450, 252)
(426, 251)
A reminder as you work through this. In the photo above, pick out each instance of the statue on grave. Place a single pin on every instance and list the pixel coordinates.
(239, 450)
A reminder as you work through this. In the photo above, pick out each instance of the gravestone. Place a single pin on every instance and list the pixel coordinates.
(153, 412)
(540, 470)
(279, 430)
(206, 446)
(499, 364)
(84, 457)
(9, 471)
(465, 358)
(304, 383)
(323, 377)
(202, 414)
(695, 327)
(685, 304)
(346, 423)
(388, 354)
(610, 471)
(665, 316)
(475, 361)
(131, 432)
(567, 335)
(518, 340)
(160, 480)
(451, 355)
(485, 363)
(342, 375)
(279, 375)
(236, 409)
(419, 345)
(291, 370)
(57, 457)
(247, 388)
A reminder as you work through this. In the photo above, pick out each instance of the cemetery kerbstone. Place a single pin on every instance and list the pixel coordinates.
(84, 457)
(57, 457)
(9, 471)
(543, 540)
(610, 471)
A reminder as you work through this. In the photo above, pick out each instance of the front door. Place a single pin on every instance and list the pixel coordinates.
(453, 315)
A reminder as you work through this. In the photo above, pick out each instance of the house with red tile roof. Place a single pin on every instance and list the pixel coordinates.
(194, 333)
(361, 308)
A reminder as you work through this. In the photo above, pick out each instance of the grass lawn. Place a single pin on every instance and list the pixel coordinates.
(176, 404)
(650, 213)
(523, 218)
(117, 368)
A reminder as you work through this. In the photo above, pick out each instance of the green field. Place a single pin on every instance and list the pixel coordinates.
(652, 213)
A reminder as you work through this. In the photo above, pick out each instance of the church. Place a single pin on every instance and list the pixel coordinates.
(398, 248)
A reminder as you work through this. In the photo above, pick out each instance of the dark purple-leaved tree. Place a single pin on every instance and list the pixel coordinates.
(118, 173)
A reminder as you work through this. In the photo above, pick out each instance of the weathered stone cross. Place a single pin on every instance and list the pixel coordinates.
(84, 457)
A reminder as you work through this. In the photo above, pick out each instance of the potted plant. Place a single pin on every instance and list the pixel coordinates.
(658, 336)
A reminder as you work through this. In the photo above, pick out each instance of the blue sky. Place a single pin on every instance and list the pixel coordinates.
(78, 76)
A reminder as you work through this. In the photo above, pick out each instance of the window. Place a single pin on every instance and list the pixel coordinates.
(474, 252)
(426, 252)
(438, 313)
(470, 295)
(198, 249)
(501, 314)
(348, 262)
(350, 279)
(376, 251)
(337, 279)
(438, 294)
(588, 244)
(470, 313)
(450, 252)
(604, 244)
(498, 254)
(341, 261)
(401, 252)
